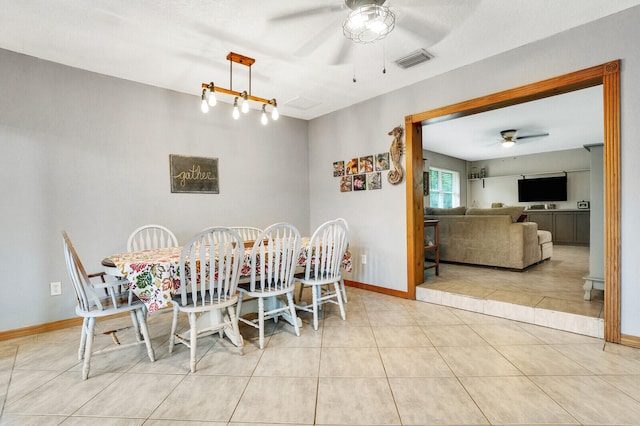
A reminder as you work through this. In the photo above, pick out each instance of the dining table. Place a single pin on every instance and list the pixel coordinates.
(153, 275)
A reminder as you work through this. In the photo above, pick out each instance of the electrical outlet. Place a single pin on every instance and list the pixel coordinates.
(56, 288)
(363, 259)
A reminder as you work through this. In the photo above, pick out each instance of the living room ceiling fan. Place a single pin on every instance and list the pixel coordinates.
(337, 16)
(510, 137)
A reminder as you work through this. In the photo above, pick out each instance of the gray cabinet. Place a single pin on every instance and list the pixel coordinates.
(566, 226)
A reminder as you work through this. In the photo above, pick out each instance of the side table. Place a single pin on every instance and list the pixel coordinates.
(431, 244)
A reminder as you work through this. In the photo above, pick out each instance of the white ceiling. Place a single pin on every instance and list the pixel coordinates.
(572, 120)
(302, 58)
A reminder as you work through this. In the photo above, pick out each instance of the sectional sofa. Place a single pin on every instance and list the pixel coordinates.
(492, 237)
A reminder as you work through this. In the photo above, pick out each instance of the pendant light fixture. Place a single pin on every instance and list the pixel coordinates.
(209, 91)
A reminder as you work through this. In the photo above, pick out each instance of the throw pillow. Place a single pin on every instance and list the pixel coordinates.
(514, 211)
(439, 212)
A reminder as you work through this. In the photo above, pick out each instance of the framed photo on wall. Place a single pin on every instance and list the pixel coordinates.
(352, 167)
(346, 183)
(374, 180)
(360, 182)
(366, 164)
(338, 168)
(382, 161)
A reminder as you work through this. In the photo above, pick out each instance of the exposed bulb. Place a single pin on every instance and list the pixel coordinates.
(274, 113)
(245, 106)
(263, 118)
(212, 98)
(236, 111)
(203, 104)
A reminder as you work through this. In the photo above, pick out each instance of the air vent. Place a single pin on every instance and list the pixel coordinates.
(414, 58)
(301, 103)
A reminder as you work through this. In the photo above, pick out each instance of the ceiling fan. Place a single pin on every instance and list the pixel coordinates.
(509, 137)
(334, 32)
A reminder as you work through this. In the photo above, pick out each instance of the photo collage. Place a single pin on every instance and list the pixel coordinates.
(361, 173)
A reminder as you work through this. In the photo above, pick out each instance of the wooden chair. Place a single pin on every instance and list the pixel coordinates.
(149, 237)
(274, 257)
(209, 271)
(100, 300)
(323, 267)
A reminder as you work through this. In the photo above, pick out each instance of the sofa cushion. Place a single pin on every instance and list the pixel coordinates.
(544, 237)
(453, 210)
(514, 212)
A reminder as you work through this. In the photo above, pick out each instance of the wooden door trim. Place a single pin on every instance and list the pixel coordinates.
(607, 75)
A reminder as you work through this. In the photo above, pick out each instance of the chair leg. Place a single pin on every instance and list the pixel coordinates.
(83, 337)
(300, 293)
(88, 347)
(261, 320)
(336, 285)
(344, 291)
(239, 304)
(174, 327)
(315, 290)
(292, 309)
(145, 333)
(136, 325)
(236, 329)
(193, 340)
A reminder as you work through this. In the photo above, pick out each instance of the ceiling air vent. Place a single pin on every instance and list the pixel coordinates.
(414, 58)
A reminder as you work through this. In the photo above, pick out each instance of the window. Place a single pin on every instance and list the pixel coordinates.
(444, 188)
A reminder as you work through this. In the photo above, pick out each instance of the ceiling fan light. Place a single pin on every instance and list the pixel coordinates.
(369, 23)
(508, 143)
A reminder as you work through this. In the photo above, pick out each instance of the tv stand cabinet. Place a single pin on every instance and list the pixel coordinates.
(569, 227)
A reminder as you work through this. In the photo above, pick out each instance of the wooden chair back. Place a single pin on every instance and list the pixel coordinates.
(79, 278)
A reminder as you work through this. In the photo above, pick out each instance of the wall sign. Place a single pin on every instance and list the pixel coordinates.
(194, 174)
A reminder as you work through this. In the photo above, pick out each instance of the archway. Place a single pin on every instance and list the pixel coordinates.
(607, 75)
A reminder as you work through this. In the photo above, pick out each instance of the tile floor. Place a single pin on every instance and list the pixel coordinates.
(393, 362)
(549, 294)
(553, 284)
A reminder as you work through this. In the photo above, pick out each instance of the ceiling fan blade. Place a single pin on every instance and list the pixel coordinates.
(344, 53)
(430, 32)
(532, 136)
(317, 40)
(308, 12)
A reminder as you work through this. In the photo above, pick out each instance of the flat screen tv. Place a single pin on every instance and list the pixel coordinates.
(543, 189)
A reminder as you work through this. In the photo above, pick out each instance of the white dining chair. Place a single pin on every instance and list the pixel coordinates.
(273, 260)
(344, 290)
(150, 237)
(342, 286)
(208, 288)
(322, 269)
(98, 300)
(248, 233)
